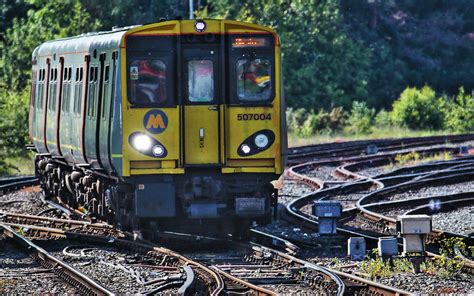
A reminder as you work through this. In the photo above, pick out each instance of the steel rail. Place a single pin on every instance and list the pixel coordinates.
(51, 222)
(427, 167)
(295, 171)
(359, 147)
(372, 286)
(81, 281)
(8, 180)
(326, 271)
(255, 289)
(8, 185)
(124, 243)
(275, 241)
(308, 221)
(363, 203)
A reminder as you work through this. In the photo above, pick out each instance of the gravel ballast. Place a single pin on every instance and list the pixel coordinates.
(20, 274)
(459, 221)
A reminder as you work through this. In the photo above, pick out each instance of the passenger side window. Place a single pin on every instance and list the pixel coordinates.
(254, 79)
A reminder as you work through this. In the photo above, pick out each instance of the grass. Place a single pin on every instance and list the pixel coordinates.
(378, 133)
(20, 165)
(414, 158)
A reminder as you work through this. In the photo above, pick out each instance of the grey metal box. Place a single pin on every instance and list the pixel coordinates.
(356, 248)
(155, 200)
(327, 226)
(327, 209)
(413, 243)
(388, 246)
(415, 224)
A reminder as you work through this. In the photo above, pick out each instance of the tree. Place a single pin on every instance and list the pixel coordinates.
(322, 66)
(47, 20)
(418, 109)
(460, 113)
(126, 13)
(414, 44)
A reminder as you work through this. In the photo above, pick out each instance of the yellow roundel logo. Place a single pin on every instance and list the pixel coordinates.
(155, 121)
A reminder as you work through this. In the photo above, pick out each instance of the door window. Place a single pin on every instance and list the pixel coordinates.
(200, 81)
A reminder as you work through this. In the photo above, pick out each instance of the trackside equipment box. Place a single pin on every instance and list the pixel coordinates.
(327, 212)
(415, 224)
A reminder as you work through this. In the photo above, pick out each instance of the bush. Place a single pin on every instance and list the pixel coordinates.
(295, 119)
(361, 118)
(459, 116)
(13, 126)
(306, 124)
(382, 119)
(418, 109)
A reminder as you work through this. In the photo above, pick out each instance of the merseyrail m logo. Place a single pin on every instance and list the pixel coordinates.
(155, 121)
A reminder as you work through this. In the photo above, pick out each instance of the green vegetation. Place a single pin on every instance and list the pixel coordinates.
(448, 264)
(345, 62)
(417, 112)
(418, 109)
(377, 268)
(415, 158)
(445, 266)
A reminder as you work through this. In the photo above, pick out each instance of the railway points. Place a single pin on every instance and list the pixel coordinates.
(250, 270)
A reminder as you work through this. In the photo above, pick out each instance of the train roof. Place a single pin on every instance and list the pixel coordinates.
(114, 38)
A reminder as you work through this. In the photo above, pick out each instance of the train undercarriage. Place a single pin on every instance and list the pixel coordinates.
(200, 202)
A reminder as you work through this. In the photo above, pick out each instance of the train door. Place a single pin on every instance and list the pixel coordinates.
(201, 105)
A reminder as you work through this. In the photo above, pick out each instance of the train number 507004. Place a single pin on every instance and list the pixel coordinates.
(254, 116)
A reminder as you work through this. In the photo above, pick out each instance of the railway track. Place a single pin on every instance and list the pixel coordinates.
(335, 151)
(366, 188)
(349, 284)
(259, 271)
(76, 278)
(192, 276)
(16, 183)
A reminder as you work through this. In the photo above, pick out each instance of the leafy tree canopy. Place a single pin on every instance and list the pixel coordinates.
(45, 20)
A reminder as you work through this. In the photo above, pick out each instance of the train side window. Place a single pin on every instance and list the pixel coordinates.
(39, 90)
(91, 109)
(51, 89)
(200, 81)
(105, 91)
(254, 81)
(78, 90)
(66, 92)
(94, 100)
(106, 74)
(147, 81)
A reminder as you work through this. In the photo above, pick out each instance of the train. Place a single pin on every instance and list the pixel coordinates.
(177, 125)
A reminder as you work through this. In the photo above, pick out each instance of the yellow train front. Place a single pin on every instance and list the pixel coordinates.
(191, 137)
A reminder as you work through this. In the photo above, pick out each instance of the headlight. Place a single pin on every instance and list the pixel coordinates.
(261, 141)
(147, 145)
(245, 148)
(256, 143)
(142, 142)
(158, 150)
(199, 26)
